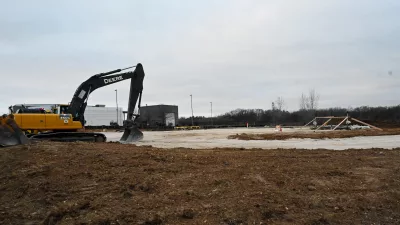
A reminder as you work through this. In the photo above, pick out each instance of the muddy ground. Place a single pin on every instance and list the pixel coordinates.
(316, 134)
(111, 183)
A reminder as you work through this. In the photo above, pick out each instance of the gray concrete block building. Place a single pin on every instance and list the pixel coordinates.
(159, 115)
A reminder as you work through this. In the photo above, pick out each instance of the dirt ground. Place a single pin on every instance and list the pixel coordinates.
(111, 183)
(316, 135)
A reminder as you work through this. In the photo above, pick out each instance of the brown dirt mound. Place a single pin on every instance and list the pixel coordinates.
(110, 183)
(316, 134)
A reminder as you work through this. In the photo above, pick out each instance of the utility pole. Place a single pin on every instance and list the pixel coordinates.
(191, 105)
(211, 114)
(116, 101)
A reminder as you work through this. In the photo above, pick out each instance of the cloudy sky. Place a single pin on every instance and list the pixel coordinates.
(235, 53)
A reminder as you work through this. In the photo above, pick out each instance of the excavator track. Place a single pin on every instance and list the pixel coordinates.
(70, 137)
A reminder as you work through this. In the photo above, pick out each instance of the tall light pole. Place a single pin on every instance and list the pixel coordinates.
(211, 114)
(116, 101)
(191, 106)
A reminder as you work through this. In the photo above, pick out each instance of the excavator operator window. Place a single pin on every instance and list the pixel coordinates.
(63, 109)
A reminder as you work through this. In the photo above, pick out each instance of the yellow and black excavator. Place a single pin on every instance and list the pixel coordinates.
(66, 125)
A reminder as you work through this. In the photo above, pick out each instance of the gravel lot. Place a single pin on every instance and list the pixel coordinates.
(217, 138)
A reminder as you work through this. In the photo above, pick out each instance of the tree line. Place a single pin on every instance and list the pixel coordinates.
(260, 117)
(308, 109)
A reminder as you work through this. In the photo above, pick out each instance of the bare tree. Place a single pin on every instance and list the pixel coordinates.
(313, 99)
(303, 102)
(309, 102)
(280, 103)
(259, 113)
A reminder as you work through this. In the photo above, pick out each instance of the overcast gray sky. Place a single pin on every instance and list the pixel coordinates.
(237, 54)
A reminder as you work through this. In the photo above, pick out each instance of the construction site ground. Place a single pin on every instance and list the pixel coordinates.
(269, 138)
(112, 183)
(316, 134)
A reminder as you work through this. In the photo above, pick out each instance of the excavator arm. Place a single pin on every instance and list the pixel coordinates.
(78, 103)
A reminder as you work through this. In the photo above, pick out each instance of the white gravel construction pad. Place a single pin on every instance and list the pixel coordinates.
(217, 138)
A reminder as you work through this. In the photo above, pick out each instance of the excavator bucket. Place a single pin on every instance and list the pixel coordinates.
(10, 133)
(131, 134)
